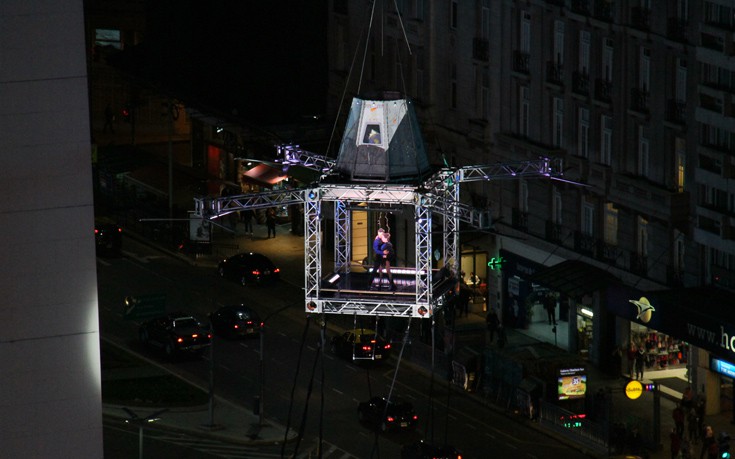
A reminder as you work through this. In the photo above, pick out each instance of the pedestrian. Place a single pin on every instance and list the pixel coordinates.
(377, 257)
(693, 425)
(464, 297)
(247, 218)
(687, 398)
(492, 322)
(640, 361)
(270, 222)
(388, 253)
(709, 445)
(675, 444)
(109, 118)
(678, 416)
(550, 306)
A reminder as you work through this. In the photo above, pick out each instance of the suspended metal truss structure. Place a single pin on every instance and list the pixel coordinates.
(438, 196)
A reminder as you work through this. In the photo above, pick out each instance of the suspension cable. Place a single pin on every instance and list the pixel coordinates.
(293, 388)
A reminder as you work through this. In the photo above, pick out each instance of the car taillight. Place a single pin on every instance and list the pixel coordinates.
(415, 417)
(276, 270)
(237, 326)
(366, 348)
(179, 340)
(387, 346)
(256, 272)
(249, 322)
(119, 230)
(194, 335)
(390, 419)
(96, 231)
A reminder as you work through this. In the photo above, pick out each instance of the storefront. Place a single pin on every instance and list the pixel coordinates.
(689, 329)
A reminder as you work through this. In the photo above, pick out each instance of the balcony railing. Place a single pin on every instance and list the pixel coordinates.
(639, 100)
(520, 61)
(581, 82)
(640, 18)
(638, 264)
(676, 29)
(585, 244)
(581, 6)
(480, 49)
(604, 10)
(603, 90)
(553, 232)
(554, 73)
(609, 253)
(519, 219)
(675, 111)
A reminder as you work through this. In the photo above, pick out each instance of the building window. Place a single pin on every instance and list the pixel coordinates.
(611, 224)
(681, 80)
(644, 75)
(108, 37)
(525, 32)
(453, 86)
(523, 112)
(607, 59)
(588, 219)
(556, 207)
(559, 43)
(680, 146)
(584, 52)
(643, 151)
(679, 248)
(583, 140)
(642, 239)
(453, 12)
(523, 196)
(485, 20)
(485, 93)
(606, 140)
(558, 123)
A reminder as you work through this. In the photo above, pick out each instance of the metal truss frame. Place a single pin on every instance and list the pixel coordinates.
(440, 194)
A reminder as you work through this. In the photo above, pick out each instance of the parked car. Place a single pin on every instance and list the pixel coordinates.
(107, 237)
(249, 268)
(424, 450)
(361, 343)
(235, 321)
(175, 333)
(380, 413)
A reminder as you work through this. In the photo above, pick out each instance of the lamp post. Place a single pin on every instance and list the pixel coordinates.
(141, 422)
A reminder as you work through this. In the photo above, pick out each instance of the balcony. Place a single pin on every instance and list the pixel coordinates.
(521, 61)
(480, 49)
(581, 83)
(675, 111)
(603, 90)
(554, 73)
(638, 264)
(639, 100)
(676, 29)
(585, 244)
(640, 18)
(609, 253)
(581, 7)
(519, 220)
(553, 232)
(604, 10)
(644, 197)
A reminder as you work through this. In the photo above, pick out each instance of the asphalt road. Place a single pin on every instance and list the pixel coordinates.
(304, 388)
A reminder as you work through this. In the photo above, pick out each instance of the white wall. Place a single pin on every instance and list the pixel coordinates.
(50, 393)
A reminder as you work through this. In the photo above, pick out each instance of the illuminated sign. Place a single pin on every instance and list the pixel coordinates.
(496, 263)
(633, 389)
(572, 383)
(723, 367)
(645, 310)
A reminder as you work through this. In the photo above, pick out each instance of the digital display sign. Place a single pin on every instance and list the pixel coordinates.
(722, 367)
(572, 383)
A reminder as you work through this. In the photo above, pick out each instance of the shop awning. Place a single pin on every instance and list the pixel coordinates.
(264, 175)
(574, 278)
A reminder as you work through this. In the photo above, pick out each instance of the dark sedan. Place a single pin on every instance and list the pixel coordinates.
(235, 321)
(107, 237)
(361, 344)
(175, 333)
(248, 268)
(380, 413)
(424, 450)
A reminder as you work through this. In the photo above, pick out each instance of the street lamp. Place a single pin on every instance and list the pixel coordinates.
(141, 422)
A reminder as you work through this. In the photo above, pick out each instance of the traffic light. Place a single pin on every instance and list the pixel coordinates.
(723, 442)
(126, 113)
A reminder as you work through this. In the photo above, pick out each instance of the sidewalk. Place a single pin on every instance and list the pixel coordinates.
(238, 424)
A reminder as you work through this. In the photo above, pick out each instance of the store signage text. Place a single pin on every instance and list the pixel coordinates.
(633, 389)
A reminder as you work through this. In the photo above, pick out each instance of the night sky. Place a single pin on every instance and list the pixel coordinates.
(264, 60)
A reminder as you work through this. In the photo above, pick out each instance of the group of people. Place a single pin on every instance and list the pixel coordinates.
(689, 429)
(247, 215)
(383, 255)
